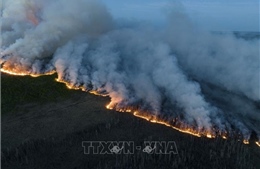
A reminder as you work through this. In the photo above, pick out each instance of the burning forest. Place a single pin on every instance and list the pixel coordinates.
(200, 83)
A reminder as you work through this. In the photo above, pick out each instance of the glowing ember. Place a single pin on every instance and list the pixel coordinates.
(210, 136)
(258, 143)
(97, 93)
(25, 73)
(110, 108)
(245, 141)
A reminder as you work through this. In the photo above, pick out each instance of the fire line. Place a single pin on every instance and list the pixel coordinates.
(152, 119)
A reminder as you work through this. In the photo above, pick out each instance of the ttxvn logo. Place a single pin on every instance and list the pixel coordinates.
(129, 147)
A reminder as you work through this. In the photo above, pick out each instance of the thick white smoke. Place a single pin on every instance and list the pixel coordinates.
(161, 71)
(43, 26)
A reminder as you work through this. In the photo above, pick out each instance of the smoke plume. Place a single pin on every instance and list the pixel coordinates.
(208, 80)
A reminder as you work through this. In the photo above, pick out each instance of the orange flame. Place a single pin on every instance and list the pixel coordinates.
(258, 143)
(210, 135)
(109, 107)
(25, 73)
(155, 120)
(70, 86)
(245, 141)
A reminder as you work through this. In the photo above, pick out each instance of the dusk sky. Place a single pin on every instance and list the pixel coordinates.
(240, 15)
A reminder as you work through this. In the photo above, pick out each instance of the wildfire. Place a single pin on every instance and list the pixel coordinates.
(258, 143)
(70, 86)
(97, 93)
(25, 73)
(155, 120)
(210, 136)
(181, 127)
(14, 73)
(83, 88)
(108, 107)
(245, 141)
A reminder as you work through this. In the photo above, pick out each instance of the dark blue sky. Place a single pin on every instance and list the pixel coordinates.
(241, 15)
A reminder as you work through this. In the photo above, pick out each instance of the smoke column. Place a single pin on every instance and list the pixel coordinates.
(208, 80)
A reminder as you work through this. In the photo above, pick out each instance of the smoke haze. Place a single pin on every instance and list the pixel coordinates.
(206, 79)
